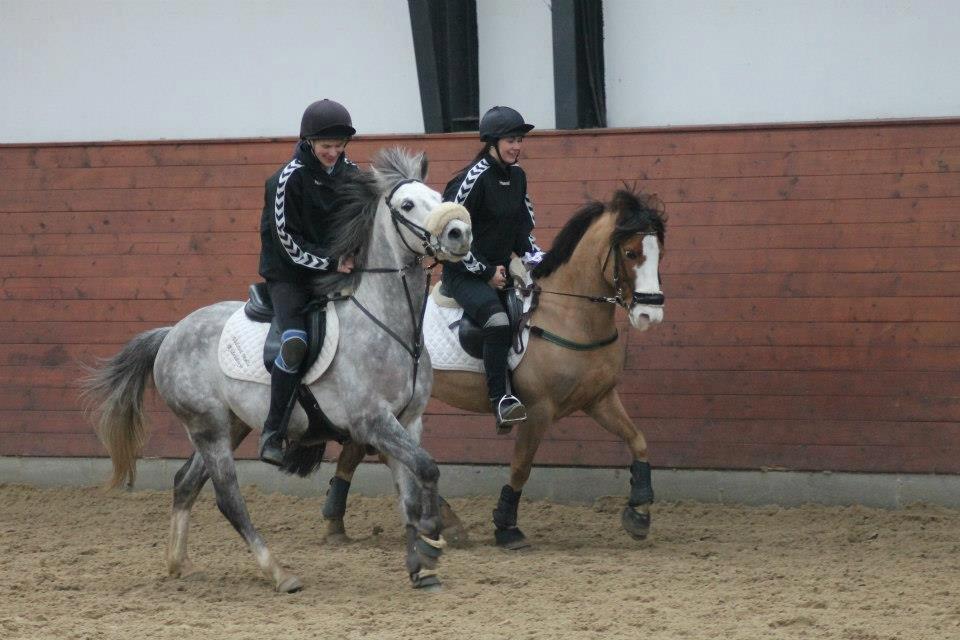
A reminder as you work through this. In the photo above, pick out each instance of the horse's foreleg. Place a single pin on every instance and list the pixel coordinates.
(335, 505)
(417, 482)
(609, 413)
(506, 532)
(218, 460)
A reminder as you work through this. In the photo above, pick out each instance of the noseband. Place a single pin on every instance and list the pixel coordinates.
(430, 244)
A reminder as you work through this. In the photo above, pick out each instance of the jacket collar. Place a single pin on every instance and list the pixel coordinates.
(304, 155)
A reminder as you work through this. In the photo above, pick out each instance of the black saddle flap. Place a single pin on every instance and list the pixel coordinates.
(259, 307)
(471, 335)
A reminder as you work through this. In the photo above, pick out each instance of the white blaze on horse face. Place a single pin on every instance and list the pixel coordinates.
(647, 280)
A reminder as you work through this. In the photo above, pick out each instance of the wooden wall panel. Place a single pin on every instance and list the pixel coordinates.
(812, 322)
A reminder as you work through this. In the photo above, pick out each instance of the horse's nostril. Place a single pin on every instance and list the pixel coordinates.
(455, 234)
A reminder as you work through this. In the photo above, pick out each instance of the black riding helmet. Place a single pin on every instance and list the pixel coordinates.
(502, 122)
(326, 119)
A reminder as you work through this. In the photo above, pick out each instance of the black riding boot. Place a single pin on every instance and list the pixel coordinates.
(507, 408)
(283, 389)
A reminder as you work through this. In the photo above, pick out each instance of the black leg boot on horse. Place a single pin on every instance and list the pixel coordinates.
(284, 380)
(507, 408)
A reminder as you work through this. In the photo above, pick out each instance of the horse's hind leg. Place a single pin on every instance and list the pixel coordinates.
(186, 487)
(187, 484)
(609, 413)
(218, 460)
(335, 505)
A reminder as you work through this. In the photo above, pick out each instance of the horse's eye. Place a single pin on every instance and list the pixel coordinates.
(631, 254)
(407, 205)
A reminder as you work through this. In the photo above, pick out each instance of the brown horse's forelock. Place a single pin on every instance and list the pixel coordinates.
(636, 213)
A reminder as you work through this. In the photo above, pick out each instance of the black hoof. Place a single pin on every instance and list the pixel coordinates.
(635, 523)
(510, 539)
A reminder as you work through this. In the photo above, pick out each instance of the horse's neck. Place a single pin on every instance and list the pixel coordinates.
(387, 251)
(582, 275)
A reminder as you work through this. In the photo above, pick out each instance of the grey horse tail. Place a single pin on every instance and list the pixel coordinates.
(115, 391)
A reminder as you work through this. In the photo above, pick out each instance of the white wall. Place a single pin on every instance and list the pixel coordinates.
(73, 70)
(515, 53)
(727, 61)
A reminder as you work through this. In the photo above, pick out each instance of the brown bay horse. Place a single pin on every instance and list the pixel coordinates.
(607, 255)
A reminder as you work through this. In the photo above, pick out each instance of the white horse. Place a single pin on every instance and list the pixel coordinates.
(371, 390)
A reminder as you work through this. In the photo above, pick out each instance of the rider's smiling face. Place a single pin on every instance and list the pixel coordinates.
(328, 150)
(509, 148)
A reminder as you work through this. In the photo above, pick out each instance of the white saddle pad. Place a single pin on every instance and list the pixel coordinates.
(443, 342)
(241, 348)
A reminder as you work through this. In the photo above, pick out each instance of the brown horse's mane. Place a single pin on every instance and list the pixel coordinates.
(636, 213)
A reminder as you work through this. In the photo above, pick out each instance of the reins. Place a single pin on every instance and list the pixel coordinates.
(618, 299)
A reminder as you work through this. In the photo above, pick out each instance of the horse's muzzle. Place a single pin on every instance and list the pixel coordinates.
(449, 223)
(646, 310)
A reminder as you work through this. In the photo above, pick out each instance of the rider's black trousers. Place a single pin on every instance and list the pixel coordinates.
(480, 301)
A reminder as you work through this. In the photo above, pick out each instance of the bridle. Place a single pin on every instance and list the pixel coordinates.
(636, 298)
(430, 243)
(618, 285)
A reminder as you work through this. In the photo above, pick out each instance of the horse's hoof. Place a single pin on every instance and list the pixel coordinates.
(635, 523)
(335, 532)
(180, 570)
(456, 537)
(511, 539)
(453, 530)
(291, 584)
(426, 580)
(337, 539)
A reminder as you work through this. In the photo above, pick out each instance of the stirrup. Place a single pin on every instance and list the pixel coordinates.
(508, 410)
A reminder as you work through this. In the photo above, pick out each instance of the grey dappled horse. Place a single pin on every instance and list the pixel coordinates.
(370, 390)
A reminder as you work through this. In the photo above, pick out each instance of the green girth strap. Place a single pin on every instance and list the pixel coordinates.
(570, 344)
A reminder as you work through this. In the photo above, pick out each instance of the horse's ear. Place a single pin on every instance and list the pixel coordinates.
(424, 163)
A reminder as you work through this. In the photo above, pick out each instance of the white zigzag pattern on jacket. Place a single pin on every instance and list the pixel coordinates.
(534, 256)
(471, 179)
(296, 254)
(470, 261)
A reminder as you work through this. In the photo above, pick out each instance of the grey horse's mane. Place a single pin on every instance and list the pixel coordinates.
(356, 210)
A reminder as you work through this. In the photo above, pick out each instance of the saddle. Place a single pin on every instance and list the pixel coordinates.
(455, 342)
(471, 335)
(259, 308)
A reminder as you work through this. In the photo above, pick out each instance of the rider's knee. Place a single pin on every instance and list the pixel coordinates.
(497, 329)
(293, 349)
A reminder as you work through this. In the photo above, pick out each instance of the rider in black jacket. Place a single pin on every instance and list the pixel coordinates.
(494, 190)
(298, 200)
